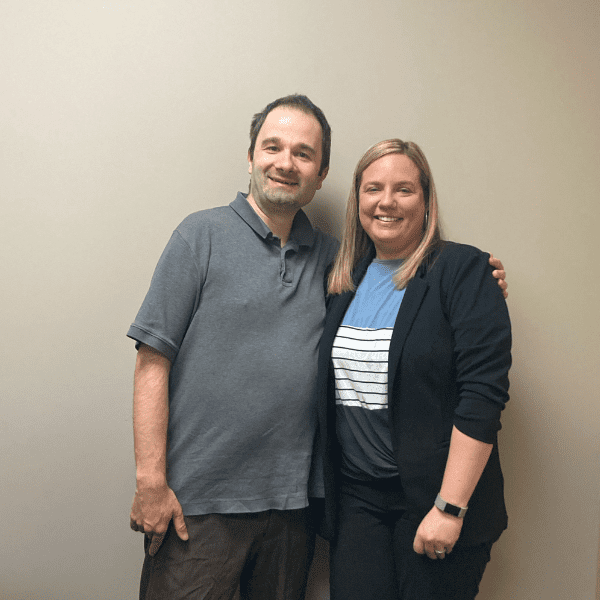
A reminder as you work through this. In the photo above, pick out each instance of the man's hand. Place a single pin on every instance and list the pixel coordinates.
(152, 511)
(437, 534)
(500, 274)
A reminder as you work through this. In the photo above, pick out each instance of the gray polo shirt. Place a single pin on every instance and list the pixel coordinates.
(240, 318)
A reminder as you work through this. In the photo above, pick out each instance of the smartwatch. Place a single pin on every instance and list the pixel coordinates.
(457, 511)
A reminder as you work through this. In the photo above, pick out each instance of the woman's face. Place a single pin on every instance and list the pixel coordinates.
(391, 205)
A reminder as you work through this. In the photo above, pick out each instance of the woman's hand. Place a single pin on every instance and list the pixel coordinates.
(439, 532)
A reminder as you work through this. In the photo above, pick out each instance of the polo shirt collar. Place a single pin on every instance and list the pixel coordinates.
(302, 231)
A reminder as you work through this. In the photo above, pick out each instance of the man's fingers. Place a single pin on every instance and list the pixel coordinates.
(496, 262)
(155, 541)
(135, 526)
(180, 528)
(500, 275)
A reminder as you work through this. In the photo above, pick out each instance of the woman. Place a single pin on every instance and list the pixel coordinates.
(413, 375)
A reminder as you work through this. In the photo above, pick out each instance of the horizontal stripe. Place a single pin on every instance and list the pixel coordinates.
(365, 334)
(359, 375)
(346, 354)
(358, 403)
(366, 396)
(356, 366)
(362, 345)
(369, 387)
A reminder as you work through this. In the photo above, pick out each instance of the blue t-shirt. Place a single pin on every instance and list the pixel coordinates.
(360, 361)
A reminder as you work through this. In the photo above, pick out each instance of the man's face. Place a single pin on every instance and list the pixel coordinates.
(284, 174)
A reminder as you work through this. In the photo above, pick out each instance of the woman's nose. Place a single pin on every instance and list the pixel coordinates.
(386, 198)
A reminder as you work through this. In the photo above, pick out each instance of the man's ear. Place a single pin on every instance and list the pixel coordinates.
(249, 163)
(322, 176)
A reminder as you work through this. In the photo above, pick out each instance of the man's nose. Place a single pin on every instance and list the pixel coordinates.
(284, 161)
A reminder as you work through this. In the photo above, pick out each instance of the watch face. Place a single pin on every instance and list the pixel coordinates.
(450, 509)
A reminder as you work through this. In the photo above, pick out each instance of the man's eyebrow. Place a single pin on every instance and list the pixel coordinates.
(276, 140)
(271, 140)
(308, 148)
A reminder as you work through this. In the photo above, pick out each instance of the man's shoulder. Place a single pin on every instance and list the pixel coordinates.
(215, 214)
(208, 218)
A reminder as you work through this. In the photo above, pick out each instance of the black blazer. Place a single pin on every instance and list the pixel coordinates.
(448, 365)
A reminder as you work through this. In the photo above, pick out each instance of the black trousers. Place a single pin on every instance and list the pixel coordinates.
(253, 556)
(372, 556)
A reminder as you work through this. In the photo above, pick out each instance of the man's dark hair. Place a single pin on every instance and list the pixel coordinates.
(302, 103)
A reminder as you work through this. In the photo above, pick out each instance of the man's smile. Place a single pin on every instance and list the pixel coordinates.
(282, 181)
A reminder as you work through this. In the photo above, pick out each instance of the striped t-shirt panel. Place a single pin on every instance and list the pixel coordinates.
(360, 359)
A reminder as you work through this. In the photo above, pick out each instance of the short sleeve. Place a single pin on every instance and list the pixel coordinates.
(171, 301)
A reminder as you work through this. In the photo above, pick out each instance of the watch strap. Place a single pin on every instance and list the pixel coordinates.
(451, 509)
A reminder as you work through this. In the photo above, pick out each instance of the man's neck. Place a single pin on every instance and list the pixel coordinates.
(280, 223)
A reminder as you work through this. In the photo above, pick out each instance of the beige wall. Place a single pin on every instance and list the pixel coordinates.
(120, 117)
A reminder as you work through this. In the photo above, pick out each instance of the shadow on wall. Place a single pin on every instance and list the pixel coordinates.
(324, 212)
(522, 479)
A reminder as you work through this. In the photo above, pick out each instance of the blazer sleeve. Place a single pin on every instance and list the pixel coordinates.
(481, 331)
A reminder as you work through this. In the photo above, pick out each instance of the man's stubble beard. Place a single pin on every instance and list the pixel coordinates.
(278, 200)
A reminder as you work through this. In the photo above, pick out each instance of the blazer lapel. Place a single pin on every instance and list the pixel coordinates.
(413, 297)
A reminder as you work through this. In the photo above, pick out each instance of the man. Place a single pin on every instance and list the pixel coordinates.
(227, 342)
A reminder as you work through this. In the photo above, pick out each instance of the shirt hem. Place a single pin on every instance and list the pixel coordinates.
(237, 506)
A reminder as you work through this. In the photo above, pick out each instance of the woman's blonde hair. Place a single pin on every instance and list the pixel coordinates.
(356, 244)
